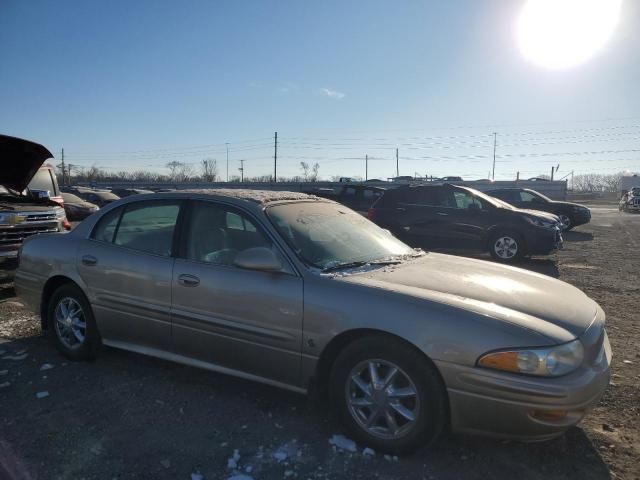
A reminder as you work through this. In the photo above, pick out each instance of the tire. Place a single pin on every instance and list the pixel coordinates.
(423, 395)
(506, 246)
(75, 336)
(566, 221)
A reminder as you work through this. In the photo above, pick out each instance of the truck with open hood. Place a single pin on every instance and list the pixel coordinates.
(25, 210)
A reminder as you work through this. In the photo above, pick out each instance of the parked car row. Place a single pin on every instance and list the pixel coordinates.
(508, 223)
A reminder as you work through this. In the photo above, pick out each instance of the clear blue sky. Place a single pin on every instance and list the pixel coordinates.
(136, 84)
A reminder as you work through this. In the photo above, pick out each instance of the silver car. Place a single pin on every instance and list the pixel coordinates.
(302, 293)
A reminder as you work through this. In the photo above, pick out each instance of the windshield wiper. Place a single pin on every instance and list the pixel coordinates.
(340, 266)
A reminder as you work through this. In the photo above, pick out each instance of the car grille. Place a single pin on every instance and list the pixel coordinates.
(37, 222)
(635, 201)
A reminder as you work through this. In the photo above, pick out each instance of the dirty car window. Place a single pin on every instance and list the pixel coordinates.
(325, 234)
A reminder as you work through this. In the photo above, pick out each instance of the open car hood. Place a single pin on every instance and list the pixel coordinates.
(19, 161)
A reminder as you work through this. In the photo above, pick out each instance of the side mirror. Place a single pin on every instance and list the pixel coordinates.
(258, 258)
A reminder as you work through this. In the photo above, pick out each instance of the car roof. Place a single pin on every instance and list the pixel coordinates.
(262, 197)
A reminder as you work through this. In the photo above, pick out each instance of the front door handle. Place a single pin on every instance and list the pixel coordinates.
(188, 280)
(89, 260)
(442, 214)
(401, 209)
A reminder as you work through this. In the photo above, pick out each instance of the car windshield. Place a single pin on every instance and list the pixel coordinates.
(327, 235)
(42, 180)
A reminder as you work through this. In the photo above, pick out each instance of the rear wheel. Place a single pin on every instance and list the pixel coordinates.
(388, 394)
(506, 246)
(71, 324)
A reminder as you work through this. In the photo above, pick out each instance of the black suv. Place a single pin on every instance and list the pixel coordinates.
(454, 217)
(570, 214)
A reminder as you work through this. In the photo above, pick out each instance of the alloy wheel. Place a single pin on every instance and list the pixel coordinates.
(382, 399)
(70, 323)
(506, 247)
(565, 221)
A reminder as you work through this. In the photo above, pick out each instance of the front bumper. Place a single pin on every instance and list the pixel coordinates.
(544, 241)
(488, 402)
(581, 217)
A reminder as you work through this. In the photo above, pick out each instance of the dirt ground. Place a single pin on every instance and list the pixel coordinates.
(129, 416)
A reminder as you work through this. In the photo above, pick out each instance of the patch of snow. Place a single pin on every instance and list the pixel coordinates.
(15, 357)
(249, 469)
(42, 394)
(280, 455)
(46, 366)
(257, 196)
(368, 452)
(197, 476)
(343, 443)
(232, 462)
(239, 477)
(288, 473)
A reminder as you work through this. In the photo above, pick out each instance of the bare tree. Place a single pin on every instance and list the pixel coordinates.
(310, 173)
(209, 169)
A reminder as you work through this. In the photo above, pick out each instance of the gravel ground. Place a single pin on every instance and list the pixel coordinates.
(129, 416)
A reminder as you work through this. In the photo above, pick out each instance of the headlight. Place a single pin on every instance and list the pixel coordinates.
(60, 214)
(543, 362)
(5, 218)
(538, 222)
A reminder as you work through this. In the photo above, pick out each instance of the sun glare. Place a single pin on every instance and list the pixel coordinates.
(560, 34)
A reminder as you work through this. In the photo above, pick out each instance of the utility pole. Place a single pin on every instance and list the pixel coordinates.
(366, 167)
(227, 145)
(241, 170)
(552, 173)
(495, 136)
(275, 157)
(397, 165)
(63, 169)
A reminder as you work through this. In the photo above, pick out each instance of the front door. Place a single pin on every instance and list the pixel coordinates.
(245, 320)
(127, 266)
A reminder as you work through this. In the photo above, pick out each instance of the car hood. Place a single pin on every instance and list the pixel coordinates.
(538, 213)
(19, 161)
(567, 204)
(531, 300)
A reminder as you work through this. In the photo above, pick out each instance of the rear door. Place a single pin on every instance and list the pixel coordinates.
(246, 320)
(423, 221)
(127, 266)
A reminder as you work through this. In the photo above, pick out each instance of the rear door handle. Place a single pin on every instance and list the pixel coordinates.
(89, 260)
(188, 280)
(442, 214)
(401, 209)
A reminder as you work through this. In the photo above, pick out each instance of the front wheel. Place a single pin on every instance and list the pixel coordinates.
(388, 394)
(506, 246)
(71, 324)
(566, 221)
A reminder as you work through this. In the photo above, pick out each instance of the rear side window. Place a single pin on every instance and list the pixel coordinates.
(146, 227)
(106, 228)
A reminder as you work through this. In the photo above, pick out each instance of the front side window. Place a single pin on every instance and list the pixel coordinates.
(217, 233)
(527, 197)
(465, 199)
